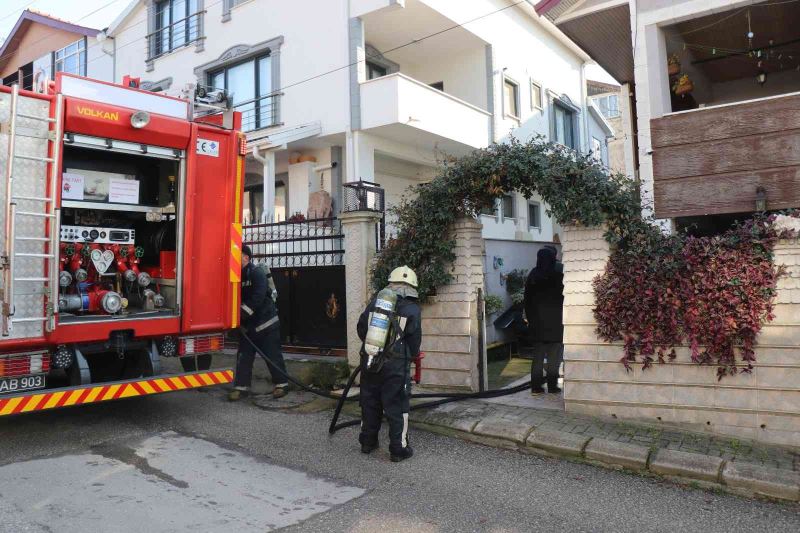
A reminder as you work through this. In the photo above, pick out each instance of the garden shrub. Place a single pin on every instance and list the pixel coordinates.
(658, 291)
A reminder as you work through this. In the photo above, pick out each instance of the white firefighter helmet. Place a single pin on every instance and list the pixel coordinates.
(405, 275)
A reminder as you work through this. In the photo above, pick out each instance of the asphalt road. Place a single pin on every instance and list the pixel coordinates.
(192, 461)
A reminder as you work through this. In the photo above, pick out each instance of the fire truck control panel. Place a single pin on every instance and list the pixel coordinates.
(121, 239)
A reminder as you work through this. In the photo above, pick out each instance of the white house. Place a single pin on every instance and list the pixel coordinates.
(373, 90)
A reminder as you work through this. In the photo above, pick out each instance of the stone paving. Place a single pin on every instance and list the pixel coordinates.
(471, 412)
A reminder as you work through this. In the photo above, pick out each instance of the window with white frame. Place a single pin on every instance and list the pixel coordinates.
(71, 58)
(563, 125)
(507, 207)
(608, 105)
(597, 149)
(534, 215)
(177, 23)
(491, 211)
(510, 98)
(536, 96)
(228, 5)
(249, 83)
(375, 70)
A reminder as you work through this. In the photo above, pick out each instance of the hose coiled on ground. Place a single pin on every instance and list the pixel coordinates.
(445, 397)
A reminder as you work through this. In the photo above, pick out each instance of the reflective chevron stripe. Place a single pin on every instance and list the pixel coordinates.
(42, 401)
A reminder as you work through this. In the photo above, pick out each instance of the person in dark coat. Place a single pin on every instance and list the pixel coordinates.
(259, 318)
(387, 390)
(544, 302)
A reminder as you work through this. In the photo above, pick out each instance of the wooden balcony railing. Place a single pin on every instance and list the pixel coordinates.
(711, 160)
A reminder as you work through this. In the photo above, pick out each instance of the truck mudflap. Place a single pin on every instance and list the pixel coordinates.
(104, 392)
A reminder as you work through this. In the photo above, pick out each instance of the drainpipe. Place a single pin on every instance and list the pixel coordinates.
(584, 105)
(268, 161)
(101, 38)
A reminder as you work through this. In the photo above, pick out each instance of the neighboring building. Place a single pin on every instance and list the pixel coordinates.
(39, 45)
(714, 136)
(375, 87)
(606, 99)
(599, 133)
(713, 85)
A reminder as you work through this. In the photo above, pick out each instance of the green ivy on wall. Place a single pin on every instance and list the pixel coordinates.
(658, 291)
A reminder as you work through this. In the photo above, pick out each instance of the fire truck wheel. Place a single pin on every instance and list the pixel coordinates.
(203, 363)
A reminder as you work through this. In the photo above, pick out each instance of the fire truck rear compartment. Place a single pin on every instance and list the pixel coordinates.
(118, 236)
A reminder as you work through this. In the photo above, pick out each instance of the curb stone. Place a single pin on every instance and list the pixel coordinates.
(762, 480)
(557, 442)
(503, 428)
(630, 456)
(712, 472)
(685, 464)
(460, 423)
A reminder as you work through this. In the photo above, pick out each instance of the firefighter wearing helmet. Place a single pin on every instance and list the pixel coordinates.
(391, 330)
(259, 317)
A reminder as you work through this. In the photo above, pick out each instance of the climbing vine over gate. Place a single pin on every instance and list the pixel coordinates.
(658, 291)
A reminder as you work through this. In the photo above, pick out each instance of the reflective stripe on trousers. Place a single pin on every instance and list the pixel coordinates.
(267, 324)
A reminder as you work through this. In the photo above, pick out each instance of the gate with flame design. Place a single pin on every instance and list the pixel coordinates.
(307, 262)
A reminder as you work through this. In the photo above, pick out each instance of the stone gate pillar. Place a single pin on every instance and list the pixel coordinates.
(450, 325)
(360, 248)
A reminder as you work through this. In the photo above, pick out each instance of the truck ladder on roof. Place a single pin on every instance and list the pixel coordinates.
(39, 204)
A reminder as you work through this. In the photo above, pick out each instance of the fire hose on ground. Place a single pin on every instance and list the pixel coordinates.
(444, 397)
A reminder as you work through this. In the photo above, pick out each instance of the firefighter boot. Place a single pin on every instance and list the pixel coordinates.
(402, 454)
(552, 385)
(237, 394)
(369, 448)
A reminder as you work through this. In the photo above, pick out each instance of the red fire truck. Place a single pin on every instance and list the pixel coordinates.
(122, 234)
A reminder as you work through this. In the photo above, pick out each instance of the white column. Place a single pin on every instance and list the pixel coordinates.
(359, 244)
(268, 161)
(365, 153)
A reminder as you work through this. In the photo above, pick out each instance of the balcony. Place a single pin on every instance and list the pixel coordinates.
(174, 30)
(711, 160)
(401, 108)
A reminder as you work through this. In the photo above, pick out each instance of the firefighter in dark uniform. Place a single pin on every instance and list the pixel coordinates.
(388, 390)
(259, 320)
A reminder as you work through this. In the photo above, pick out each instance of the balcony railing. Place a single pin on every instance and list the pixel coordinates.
(713, 160)
(312, 242)
(175, 35)
(260, 112)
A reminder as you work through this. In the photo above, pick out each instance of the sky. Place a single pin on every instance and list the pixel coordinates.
(101, 13)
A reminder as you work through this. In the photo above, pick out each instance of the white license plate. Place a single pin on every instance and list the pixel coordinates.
(8, 385)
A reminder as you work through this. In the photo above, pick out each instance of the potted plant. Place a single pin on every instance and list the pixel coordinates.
(673, 65)
(683, 86)
(297, 218)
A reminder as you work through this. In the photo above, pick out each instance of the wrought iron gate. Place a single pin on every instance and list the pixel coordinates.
(307, 262)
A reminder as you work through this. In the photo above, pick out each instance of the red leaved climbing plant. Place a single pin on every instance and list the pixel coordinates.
(710, 293)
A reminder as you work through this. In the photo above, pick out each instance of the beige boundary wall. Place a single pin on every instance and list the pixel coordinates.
(763, 405)
(449, 320)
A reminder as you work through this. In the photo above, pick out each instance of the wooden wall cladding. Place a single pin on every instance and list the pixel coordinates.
(711, 161)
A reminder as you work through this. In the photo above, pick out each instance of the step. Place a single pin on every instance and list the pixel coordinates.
(33, 117)
(34, 158)
(43, 256)
(32, 214)
(32, 198)
(30, 319)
